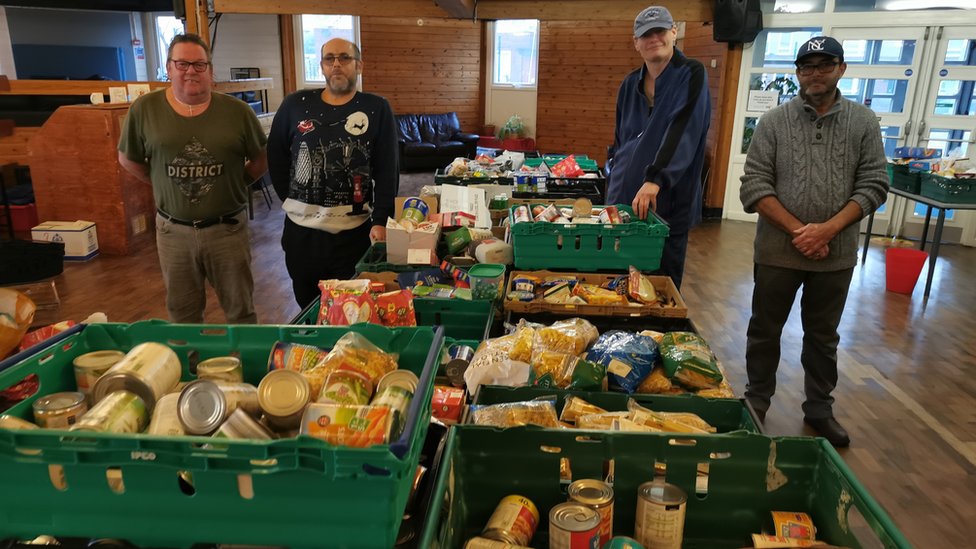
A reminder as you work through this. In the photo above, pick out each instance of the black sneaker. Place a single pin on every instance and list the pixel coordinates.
(828, 428)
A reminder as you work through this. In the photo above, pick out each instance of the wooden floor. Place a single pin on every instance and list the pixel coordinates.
(907, 387)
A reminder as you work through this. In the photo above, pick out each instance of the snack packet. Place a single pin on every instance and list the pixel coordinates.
(516, 414)
(595, 295)
(567, 167)
(354, 352)
(599, 422)
(332, 289)
(575, 407)
(347, 309)
(667, 423)
(689, 361)
(640, 288)
(396, 308)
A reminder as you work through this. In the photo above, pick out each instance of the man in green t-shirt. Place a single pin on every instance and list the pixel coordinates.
(199, 150)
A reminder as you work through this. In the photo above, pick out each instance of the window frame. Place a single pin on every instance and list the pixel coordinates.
(494, 60)
(299, 53)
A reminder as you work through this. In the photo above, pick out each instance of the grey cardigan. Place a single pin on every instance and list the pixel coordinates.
(814, 165)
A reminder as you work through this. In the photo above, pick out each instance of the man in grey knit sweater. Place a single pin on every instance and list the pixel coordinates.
(815, 167)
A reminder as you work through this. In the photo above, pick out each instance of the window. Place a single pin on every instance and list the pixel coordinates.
(167, 27)
(960, 52)
(316, 30)
(516, 53)
(778, 48)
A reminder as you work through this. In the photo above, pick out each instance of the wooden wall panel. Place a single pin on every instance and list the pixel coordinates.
(431, 67)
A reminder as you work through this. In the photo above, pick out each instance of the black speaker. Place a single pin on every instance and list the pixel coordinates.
(736, 20)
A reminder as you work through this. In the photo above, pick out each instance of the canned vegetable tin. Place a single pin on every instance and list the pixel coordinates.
(660, 520)
(150, 370)
(514, 521)
(346, 387)
(221, 368)
(283, 395)
(242, 426)
(598, 495)
(485, 543)
(90, 366)
(166, 417)
(415, 209)
(399, 378)
(118, 412)
(205, 404)
(14, 423)
(573, 525)
(521, 214)
(59, 410)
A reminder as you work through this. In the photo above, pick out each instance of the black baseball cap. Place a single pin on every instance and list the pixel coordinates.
(820, 45)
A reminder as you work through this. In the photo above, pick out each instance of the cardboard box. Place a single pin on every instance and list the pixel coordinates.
(79, 237)
(929, 165)
(917, 153)
(400, 242)
(431, 200)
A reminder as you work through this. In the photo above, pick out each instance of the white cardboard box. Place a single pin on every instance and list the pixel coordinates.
(79, 237)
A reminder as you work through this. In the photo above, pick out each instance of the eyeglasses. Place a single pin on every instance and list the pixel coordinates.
(343, 59)
(198, 66)
(823, 68)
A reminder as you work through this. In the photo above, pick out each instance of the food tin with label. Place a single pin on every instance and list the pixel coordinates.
(240, 425)
(222, 368)
(166, 418)
(91, 366)
(521, 214)
(283, 396)
(118, 412)
(485, 543)
(539, 183)
(610, 215)
(205, 404)
(598, 495)
(415, 210)
(397, 398)
(522, 182)
(550, 213)
(59, 410)
(14, 423)
(459, 359)
(400, 378)
(514, 521)
(582, 207)
(346, 387)
(573, 525)
(150, 370)
(660, 520)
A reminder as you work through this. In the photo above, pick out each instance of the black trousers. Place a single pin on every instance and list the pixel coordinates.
(673, 257)
(312, 255)
(821, 306)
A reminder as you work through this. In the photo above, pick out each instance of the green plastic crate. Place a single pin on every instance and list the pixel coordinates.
(311, 495)
(903, 179)
(725, 414)
(596, 247)
(374, 260)
(748, 476)
(461, 318)
(948, 189)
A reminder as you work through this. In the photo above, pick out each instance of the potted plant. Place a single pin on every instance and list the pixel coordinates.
(513, 128)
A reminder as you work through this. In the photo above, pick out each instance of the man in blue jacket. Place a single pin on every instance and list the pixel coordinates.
(663, 112)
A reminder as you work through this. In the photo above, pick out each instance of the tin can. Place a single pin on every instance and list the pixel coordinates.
(415, 210)
(283, 395)
(150, 370)
(59, 410)
(166, 417)
(399, 378)
(521, 214)
(485, 543)
(240, 425)
(222, 368)
(598, 495)
(582, 207)
(514, 521)
(346, 387)
(522, 182)
(90, 366)
(539, 183)
(625, 216)
(610, 216)
(550, 213)
(660, 520)
(459, 359)
(573, 525)
(295, 356)
(118, 412)
(205, 404)
(397, 399)
(14, 423)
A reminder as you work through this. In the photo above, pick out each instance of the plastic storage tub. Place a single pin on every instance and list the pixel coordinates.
(903, 179)
(745, 478)
(948, 189)
(487, 281)
(299, 492)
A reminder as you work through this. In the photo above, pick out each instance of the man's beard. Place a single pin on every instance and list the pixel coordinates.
(335, 87)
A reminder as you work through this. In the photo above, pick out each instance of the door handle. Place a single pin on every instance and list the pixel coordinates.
(908, 128)
(921, 128)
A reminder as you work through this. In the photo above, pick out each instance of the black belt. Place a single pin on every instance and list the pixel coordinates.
(228, 219)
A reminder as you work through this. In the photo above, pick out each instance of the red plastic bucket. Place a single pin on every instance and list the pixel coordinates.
(902, 267)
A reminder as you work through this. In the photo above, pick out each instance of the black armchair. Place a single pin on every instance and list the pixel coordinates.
(429, 141)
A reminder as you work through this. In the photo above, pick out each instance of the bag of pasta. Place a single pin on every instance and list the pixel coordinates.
(600, 422)
(491, 365)
(354, 352)
(516, 414)
(655, 384)
(575, 407)
(522, 341)
(689, 361)
(667, 422)
(552, 369)
(628, 357)
(571, 336)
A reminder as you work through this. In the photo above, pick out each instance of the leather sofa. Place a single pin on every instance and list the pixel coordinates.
(430, 141)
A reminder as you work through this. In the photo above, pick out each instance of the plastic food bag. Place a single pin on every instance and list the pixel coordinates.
(491, 365)
(568, 372)
(600, 422)
(567, 167)
(571, 336)
(396, 308)
(656, 384)
(640, 288)
(347, 309)
(332, 289)
(629, 358)
(670, 423)
(575, 407)
(516, 414)
(689, 361)
(354, 352)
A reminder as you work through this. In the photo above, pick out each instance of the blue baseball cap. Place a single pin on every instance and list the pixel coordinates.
(820, 45)
(654, 17)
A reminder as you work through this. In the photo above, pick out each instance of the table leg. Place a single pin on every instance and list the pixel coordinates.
(867, 238)
(935, 250)
(925, 229)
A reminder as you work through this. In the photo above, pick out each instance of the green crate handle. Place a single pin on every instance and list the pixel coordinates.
(187, 452)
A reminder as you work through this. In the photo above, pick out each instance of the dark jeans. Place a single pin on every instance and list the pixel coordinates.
(821, 306)
(312, 255)
(673, 258)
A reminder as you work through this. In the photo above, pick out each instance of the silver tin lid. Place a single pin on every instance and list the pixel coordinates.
(573, 516)
(202, 407)
(221, 367)
(400, 378)
(592, 492)
(98, 360)
(663, 493)
(58, 402)
(124, 381)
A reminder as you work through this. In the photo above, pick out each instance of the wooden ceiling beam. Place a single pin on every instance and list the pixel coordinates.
(363, 8)
(462, 9)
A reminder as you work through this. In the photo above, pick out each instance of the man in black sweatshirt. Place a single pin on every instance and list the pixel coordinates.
(332, 156)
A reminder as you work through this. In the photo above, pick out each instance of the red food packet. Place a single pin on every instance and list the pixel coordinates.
(348, 309)
(396, 309)
(447, 403)
(331, 289)
(47, 332)
(567, 167)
